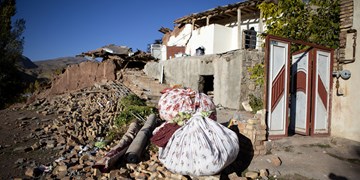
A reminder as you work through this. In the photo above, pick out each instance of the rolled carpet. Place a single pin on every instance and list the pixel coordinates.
(109, 160)
(136, 148)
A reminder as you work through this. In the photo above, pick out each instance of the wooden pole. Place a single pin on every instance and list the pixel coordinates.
(239, 28)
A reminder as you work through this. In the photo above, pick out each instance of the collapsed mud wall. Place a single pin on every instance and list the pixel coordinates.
(83, 75)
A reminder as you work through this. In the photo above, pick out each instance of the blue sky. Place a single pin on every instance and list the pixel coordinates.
(60, 28)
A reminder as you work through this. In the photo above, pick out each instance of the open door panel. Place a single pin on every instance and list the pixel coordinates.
(277, 86)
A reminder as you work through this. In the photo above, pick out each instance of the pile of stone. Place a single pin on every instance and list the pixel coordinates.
(84, 117)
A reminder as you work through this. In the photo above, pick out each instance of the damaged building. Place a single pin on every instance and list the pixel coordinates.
(218, 30)
(222, 36)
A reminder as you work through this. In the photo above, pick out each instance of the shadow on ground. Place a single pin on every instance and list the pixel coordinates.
(244, 158)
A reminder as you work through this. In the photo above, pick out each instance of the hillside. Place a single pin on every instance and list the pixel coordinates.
(46, 68)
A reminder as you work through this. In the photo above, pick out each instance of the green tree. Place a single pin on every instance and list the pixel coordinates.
(11, 46)
(316, 21)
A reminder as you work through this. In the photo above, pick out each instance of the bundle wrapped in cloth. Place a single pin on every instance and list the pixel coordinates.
(200, 147)
(185, 100)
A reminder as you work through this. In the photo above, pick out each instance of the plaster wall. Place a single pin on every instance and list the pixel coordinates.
(345, 115)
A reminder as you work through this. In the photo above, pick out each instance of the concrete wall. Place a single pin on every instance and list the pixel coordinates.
(346, 109)
(227, 80)
(228, 70)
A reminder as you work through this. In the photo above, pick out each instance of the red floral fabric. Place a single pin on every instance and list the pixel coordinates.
(178, 100)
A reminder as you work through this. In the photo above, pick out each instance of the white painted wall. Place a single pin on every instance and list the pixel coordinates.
(214, 38)
(203, 36)
(158, 51)
(223, 37)
(345, 120)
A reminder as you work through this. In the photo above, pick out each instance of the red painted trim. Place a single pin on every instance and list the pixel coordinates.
(313, 91)
(309, 105)
(322, 92)
(277, 88)
(301, 83)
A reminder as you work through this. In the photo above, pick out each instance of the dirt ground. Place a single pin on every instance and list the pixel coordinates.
(17, 131)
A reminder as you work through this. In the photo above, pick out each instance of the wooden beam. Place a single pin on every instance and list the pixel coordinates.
(239, 39)
(192, 25)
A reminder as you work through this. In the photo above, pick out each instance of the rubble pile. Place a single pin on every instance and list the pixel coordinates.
(84, 118)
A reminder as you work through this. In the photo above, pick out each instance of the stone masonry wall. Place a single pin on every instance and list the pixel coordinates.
(248, 86)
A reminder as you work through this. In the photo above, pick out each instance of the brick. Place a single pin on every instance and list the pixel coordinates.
(262, 152)
(250, 127)
(261, 138)
(257, 143)
(241, 126)
(253, 121)
(260, 147)
(276, 161)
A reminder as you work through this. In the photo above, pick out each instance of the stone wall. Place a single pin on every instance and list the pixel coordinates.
(229, 71)
(248, 86)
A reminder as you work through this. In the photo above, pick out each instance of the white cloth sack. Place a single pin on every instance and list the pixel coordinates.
(200, 147)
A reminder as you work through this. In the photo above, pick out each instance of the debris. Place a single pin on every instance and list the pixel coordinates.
(247, 106)
(252, 174)
(264, 173)
(33, 172)
(276, 161)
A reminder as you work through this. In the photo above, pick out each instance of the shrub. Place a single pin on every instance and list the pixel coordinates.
(255, 103)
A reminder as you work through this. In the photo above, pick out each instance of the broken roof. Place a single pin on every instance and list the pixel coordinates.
(108, 49)
(248, 9)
